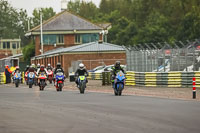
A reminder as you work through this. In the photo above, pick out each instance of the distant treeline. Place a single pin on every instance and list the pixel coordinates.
(144, 21)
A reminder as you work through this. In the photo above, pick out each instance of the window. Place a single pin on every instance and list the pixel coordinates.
(60, 39)
(8, 45)
(4, 45)
(17, 46)
(49, 39)
(14, 46)
(78, 39)
(86, 38)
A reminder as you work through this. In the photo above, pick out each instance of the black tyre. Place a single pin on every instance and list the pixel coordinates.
(16, 84)
(82, 88)
(59, 87)
(116, 94)
(120, 89)
(30, 85)
(41, 88)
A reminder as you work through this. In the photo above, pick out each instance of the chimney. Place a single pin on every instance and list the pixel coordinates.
(100, 41)
(63, 5)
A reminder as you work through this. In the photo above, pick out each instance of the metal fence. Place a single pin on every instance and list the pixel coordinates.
(164, 57)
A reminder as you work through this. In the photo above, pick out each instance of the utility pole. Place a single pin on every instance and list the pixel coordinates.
(41, 33)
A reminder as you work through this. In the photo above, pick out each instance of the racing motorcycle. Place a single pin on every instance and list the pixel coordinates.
(26, 77)
(59, 81)
(50, 76)
(82, 83)
(17, 79)
(119, 83)
(31, 79)
(42, 80)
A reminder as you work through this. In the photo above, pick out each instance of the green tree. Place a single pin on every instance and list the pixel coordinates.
(46, 14)
(29, 51)
(13, 23)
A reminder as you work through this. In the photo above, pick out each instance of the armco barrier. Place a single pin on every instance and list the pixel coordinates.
(2, 78)
(95, 76)
(130, 78)
(152, 79)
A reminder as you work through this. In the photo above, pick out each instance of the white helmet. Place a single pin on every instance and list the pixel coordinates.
(81, 65)
(49, 65)
(33, 65)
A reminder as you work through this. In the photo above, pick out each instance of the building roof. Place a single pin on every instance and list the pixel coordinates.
(66, 21)
(88, 47)
(13, 57)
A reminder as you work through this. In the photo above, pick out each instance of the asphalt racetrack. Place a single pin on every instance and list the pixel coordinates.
(25, 110)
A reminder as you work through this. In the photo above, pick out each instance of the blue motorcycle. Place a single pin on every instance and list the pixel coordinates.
(17, 79)
(59, 81)
(31, 79)
(119, 83)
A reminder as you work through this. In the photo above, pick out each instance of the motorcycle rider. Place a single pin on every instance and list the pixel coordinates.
(26, 69)
(31, 69)
(41, 70)
(58, 69)
(115, 69)
(17, 71)
(49, 67)
(38, 66)
(81, 71)
(33, 65)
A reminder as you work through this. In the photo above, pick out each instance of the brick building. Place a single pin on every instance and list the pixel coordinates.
(91, 54)
(9, 47)
(65, 30)
(68, 38)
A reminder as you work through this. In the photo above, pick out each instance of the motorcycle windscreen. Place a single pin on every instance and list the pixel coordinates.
(120, 76)
(82, 77)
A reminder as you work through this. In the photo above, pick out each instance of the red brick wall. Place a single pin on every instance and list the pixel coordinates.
(3, 53)
(37, 45)
(68, 41)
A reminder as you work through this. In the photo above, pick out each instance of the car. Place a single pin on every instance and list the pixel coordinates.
(109, 69)
(97, 68)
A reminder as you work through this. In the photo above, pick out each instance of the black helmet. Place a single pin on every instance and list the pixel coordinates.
(117, 64)
(58, 65)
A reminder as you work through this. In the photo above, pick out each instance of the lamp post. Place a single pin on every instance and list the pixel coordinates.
(41, 33)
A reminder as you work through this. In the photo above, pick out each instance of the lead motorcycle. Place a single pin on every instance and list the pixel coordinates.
(82, 80)
(42, 80)
(119, 83)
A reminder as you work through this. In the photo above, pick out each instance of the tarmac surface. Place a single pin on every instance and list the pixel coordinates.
(28, 110)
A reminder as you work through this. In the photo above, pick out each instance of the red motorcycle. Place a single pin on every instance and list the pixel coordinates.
(59, 81)
(42, 80)
(50, 76)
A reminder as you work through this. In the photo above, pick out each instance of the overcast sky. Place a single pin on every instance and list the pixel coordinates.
(29, 5)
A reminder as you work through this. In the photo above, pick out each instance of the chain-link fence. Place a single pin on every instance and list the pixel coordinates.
(164, 57)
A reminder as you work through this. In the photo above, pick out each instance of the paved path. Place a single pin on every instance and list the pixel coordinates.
(24, 110)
